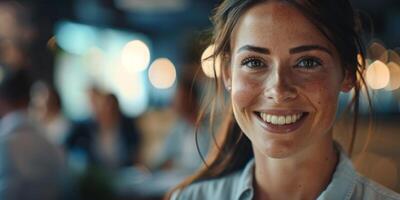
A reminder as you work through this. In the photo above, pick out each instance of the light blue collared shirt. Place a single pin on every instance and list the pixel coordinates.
(346, 184)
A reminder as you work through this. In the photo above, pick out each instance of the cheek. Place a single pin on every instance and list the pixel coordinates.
(245, 90)
(323, 95)
(321, 90)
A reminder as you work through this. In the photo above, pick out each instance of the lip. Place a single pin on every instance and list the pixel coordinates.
(281, 129)
(282, 112)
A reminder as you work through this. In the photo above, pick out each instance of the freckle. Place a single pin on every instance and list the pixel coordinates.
(299, 186)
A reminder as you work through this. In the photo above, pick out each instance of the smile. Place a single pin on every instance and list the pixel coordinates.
(281, 122)
(281, 119)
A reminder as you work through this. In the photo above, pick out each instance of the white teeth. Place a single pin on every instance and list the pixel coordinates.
(274, 119)
(280, 119)
(288, 119)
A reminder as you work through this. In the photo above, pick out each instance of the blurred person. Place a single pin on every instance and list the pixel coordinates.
(46, 108)
(178, 155)
(284, 64)
(16, 34)
(109, 139)
(30, 166)
(179, 152)
(117, 140)
(104, 144)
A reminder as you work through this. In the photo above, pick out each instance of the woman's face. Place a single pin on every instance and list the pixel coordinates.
(285, 78)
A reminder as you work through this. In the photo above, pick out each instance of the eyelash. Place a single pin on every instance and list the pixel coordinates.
(316, 63)
(249, 60)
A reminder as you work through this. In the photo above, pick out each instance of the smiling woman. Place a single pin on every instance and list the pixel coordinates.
(284, 64)
(287, 73)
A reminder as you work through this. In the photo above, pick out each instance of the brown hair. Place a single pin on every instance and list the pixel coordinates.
(335, 19)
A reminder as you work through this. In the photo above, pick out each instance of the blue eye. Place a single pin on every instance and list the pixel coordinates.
(309, 63)
(252, 63)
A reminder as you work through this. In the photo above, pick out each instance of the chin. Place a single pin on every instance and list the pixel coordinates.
(279, 150)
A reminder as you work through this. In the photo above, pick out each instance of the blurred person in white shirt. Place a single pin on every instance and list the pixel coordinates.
(30, 166)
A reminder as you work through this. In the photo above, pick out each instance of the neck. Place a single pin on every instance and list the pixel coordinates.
(301, 176)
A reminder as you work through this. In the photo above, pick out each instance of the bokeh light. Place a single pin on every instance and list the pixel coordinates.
(97, 61)
(207, 63)
(394, 82)
(377, 75)
(130, 89)
(75, 38)
(135, 56)
(94, 60)
(394, 56)
(162, 73)
(72, 80)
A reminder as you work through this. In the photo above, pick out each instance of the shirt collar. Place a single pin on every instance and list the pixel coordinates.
(341, 186)
(245, 187)
(343, 179)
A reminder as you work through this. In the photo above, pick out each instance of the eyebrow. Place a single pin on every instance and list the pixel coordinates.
(304, 48)
(261, 50)
(294, 50)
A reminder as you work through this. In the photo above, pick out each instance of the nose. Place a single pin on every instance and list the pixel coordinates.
(279, 87)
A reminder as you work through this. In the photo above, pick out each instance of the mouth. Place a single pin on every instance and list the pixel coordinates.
(283, 122)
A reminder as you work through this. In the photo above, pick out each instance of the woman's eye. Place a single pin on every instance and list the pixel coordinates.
(252, 63)
(309, 63)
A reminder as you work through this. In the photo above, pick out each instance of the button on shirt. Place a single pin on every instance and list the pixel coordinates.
(346, 184)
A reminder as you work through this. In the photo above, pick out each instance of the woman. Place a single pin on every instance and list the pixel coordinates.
(284, 65)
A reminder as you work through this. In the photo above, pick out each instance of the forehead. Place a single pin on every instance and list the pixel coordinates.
(276, 25)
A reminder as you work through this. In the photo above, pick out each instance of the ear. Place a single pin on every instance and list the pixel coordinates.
(227, 77)
(348, 82)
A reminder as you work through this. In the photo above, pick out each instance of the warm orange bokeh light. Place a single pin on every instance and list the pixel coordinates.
(394, 82)
(207, 63)
(377, 75)
(162, 73)
(135, 56)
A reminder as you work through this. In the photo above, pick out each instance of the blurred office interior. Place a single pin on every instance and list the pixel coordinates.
(123, 67)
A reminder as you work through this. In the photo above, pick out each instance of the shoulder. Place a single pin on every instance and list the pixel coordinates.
(29, 142)
(221, 188)
(368, 189)
(348, 184)
(233, 186)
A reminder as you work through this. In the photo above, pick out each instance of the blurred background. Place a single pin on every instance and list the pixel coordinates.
(113, 89)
